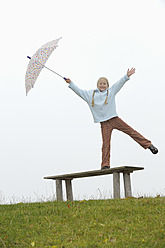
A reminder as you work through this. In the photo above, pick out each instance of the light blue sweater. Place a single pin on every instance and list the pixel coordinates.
(101, 111)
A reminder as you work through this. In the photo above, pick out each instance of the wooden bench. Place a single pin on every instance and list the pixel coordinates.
(126, 170)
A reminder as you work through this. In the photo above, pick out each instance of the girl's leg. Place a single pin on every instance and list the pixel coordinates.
(106, 130)
(120, 125)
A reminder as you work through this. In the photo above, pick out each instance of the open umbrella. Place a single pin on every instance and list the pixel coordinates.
(37, 63)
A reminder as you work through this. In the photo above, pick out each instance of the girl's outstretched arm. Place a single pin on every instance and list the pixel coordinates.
(117, 86)
(84, 94)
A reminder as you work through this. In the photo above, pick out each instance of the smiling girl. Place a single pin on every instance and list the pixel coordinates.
(101, 102)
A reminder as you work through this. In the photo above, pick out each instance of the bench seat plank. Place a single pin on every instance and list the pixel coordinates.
(121, 169)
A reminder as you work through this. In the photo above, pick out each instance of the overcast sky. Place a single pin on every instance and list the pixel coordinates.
(51, 131)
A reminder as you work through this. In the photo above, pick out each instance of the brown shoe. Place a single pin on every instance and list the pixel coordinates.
(105, 167)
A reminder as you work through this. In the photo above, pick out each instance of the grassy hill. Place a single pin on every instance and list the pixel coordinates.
(124, 223)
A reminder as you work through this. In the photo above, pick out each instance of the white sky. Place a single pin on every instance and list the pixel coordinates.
(51, 131)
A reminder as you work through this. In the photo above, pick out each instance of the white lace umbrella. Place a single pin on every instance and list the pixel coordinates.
(37, 63)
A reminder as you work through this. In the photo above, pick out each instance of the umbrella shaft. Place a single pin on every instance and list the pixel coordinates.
(53, 71)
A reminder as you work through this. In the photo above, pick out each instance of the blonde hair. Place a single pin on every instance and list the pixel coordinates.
(107, 91)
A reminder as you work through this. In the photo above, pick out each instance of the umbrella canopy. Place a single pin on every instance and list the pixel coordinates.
(37, 63)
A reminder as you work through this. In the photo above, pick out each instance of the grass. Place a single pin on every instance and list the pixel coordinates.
(129, 222)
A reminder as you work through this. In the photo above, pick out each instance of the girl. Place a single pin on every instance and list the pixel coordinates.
(101, 102)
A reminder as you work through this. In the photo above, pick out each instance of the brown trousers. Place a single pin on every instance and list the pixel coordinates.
(119, 124)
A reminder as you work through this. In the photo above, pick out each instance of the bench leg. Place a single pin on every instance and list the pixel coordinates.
(59, 194)
(127, 184)
(116, 185)
(69, 192)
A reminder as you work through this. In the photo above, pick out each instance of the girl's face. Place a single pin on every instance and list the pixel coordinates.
(102, 84)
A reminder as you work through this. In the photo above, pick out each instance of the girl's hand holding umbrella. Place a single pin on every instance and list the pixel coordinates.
(68, 80)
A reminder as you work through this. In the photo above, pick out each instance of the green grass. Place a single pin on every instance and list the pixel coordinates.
(124, 223)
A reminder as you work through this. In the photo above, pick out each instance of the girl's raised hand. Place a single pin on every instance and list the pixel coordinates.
(130, 72)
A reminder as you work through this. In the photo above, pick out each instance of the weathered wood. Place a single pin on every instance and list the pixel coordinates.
(69, 192)
(59, 194)
(121, 169)
(116, 185)
(127, 184)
